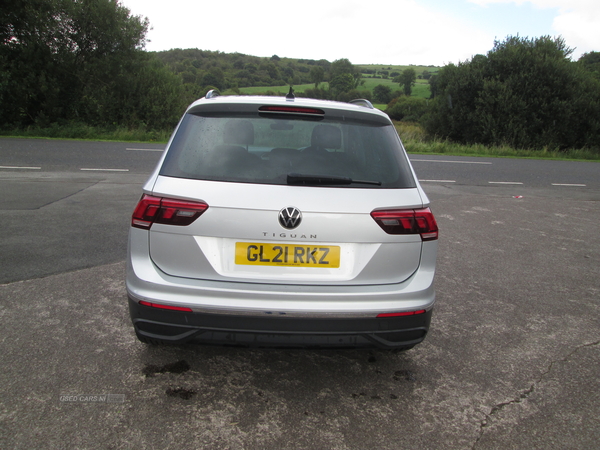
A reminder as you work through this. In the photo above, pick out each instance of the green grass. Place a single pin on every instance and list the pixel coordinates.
(421, 89)
(86, 132)
(438, 147)
(370, 83)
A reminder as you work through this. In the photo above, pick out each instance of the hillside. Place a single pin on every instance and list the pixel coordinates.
(246, 74)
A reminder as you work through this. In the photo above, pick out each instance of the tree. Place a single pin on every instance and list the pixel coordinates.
(382, 94)
(252, 68)
(591, 62)
(341, 84)
(74, 60)
(407, 80)
(344, 77)
(214, 77)
(340, 67)
(317, 73)
(344, 66)
(526, 93)
(433, 85)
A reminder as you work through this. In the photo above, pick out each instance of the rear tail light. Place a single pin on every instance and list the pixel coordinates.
(408, 221)
(167, 211)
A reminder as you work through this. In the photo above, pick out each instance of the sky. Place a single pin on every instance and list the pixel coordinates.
(389, 32)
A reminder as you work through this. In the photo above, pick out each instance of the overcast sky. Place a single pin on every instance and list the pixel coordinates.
(420, 32)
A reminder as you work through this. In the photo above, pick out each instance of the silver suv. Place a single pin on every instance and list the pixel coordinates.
(280, 221)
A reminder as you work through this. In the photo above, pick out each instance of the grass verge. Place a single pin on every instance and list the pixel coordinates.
(87, 132)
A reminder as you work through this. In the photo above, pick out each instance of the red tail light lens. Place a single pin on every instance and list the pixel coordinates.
(168, 211)
(292, 110)
(172, 308)
(409, 221)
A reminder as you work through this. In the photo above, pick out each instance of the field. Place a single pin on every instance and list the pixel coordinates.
(420, 89)
(391, 68)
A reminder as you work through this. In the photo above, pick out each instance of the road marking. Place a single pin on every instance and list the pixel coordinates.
(564, 184)
(107, 170)
(19, 167)
(438, 181)
(504, 182)
(145, 149)
(451, 162)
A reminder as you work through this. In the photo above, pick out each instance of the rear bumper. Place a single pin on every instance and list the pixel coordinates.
(261, 314)
(179, 327)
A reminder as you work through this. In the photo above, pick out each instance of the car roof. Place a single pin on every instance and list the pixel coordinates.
(360, 107)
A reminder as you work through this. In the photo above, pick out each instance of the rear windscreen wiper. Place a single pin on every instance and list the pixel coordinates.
(324, 180)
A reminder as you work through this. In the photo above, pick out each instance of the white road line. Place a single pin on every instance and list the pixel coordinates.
(145, 149)
(504, 182)
(451, 162)
(438, 181)
(107, 170)
(21, 168)
(564, 184)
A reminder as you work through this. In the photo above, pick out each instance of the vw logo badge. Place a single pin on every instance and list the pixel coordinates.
(290, 217)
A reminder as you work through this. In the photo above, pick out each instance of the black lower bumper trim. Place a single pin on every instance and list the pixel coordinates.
(176, 327)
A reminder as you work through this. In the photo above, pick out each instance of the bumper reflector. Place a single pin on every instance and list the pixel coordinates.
(172, 308)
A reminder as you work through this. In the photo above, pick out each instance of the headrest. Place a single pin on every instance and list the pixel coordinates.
(239, 132)
(326, 136)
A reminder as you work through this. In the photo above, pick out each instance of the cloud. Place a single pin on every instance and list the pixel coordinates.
(577, 21)
(378, 31)
(580, 29)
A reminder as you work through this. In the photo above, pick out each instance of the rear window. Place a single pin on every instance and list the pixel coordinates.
(267, 150)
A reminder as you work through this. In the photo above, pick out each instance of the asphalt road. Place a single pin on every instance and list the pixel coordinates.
(512, 360)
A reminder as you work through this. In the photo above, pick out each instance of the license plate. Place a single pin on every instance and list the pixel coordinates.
(262, 254)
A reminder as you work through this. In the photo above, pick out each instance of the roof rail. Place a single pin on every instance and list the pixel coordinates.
(362, 102)
(212, 93)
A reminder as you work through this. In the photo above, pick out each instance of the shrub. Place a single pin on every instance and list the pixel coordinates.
(407, 109)
(382, 94)
(526, 93)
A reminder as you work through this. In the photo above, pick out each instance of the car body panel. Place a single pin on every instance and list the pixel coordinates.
(249, 213)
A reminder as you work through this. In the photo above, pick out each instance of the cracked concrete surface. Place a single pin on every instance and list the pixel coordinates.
(512, 360)
(559, 419)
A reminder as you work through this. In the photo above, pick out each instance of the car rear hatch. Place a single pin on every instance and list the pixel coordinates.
(286, 195)
(240, 236)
